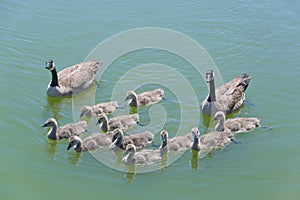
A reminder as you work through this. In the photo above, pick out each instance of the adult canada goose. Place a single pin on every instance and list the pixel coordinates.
(211, 141)
(228, 97)
(65, 131)
(236, 125)
(101, 108)
(178, 143)
(145, 98)
(140, 140)
(95, 141)
(123, 122)
(73, 79)
(146, 156)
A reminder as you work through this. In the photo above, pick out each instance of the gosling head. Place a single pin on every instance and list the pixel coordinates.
(86, 111)
(101, 119)
(51, 122)
(219, 116)
(117, 133)
(49, 65)
(73, 142)
(164, 136)
(195, 132)
(130, 148)
(130, 95)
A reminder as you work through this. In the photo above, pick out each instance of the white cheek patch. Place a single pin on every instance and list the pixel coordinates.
(52, 68)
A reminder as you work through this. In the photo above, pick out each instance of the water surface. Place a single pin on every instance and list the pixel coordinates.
(261, 39)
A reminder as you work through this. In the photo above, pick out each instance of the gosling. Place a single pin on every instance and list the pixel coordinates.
(211, 141)
(101, 108)
(93, 142)
(122, 122)
(236, 125)
(145, 98)
(140, 140)
(65, 131)
(143, 157)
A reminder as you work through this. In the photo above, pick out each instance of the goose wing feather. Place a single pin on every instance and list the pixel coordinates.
(79, 76)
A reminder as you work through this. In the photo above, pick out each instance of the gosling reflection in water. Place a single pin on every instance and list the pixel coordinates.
(195, 159)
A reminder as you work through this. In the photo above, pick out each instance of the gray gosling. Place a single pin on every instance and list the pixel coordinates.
(93, 142)
(65, 131)
(140, 140)
(236, 125)
(123, 122)
(73, 79)
(211, 141)
(101, 108)
(142, 157)
(145, 98)
(178, 143)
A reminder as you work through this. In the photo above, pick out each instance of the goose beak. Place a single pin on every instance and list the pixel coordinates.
(48, 65)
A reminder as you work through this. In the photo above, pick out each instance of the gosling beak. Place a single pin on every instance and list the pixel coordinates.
(99, 123)
(44, 125)
(69, 146)
(127, 98)
(81, 115)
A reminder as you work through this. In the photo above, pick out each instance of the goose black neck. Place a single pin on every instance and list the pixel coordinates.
(54, 81)
(212, 92)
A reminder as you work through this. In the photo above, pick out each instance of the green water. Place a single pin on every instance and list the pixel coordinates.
(259, 38)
